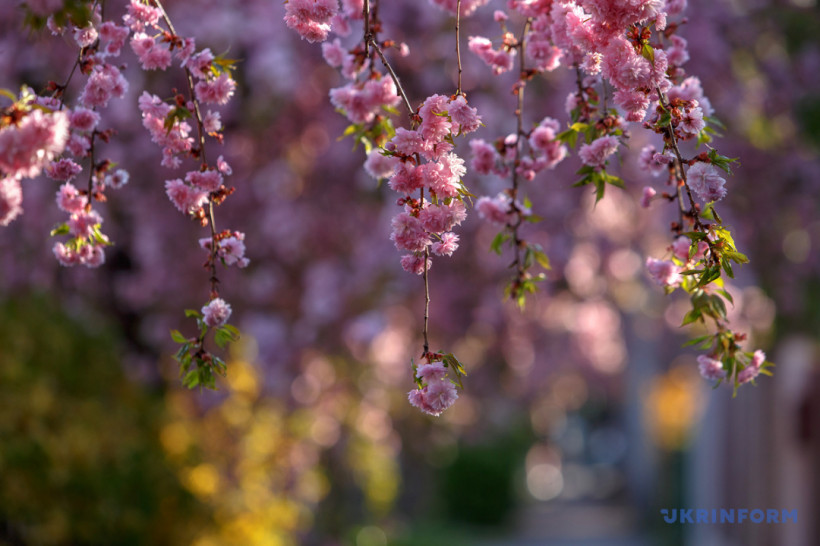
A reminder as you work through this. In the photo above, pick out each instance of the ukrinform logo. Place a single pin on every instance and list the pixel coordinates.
(728, 516)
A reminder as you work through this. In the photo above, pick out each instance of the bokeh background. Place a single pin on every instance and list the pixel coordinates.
(582, 416)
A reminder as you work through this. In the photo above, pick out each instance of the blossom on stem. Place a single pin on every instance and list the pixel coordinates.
(647, 195)
(596, 153)
(704, 180)
(435, 397)
(710, 368)
(216, 313)
(11, 200)
(495, 209)
(27, 147)
(664, 272)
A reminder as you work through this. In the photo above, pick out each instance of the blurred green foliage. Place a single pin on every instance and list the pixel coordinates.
(80, 456)
(478, 488)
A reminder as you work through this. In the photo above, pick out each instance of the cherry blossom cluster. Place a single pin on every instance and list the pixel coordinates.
(70, 135)
(436, 392)
(30, 138)
(425, 223)
(157, 45)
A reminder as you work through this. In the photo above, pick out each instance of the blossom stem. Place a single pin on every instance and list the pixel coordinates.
(91, 169)
(426, 277)
(214, 280)
(670, 137)
(458, 45)
(519, 134)
(392, 73)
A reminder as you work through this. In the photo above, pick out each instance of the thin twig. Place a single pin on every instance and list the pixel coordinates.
(519, 114)
(670, 133)
(458, 45)
(367, 36)
(393, 76)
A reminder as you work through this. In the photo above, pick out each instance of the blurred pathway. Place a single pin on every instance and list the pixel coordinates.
(573, 525)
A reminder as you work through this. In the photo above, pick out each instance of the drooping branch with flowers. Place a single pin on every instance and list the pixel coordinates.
(626, 53)
(625, 60)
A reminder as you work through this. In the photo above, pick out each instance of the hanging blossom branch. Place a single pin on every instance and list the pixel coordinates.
(610, 43)
(419, 162)
(521, 155)
(209, 81)
(44, 133)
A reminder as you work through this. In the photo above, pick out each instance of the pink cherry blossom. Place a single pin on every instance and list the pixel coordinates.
(431, 372)
(705, 181)
(495, 210)
(408, 233)
(184, 197)
(206, 180)
(216, 313)
(216, 91)
(710, 368)
(11, 200)
(70, 200)
(63, 170)
(415, 264)
(485, 156)
(647, 195)
(465, 119)
(27, 147)
(82, 223)
(447, 245)
(663, 272)
(597, 152)
(379, 165)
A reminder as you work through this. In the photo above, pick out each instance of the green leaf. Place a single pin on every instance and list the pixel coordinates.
(614, 180)
(648, 53)
(727, 267)
(600, 186)
(542, 259)
(721, 161)
(225, 334)
(350, 130)
(498, 241)
(718, 306)
(665, 120)
(736, 257)
(584, 181)
(191, 379)
(568, 137)
(691, 317)
(177, 336)
(179, 113)
(62, 229)
(697, 340)
(696, 235)
(726, 295)
(192, 313)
